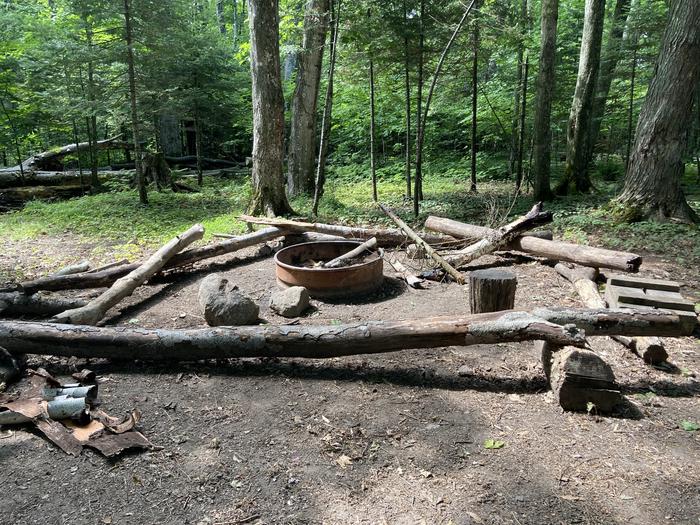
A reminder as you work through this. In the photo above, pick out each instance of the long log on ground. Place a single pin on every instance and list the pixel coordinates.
(385, 237)
(108, 276)
(82, 266)
(65, 180)
(323, 341)
(499, 238)
(650, 349)
(458, 277)
(96, 309)
(557, 250)
(367, 246)
(17, 303)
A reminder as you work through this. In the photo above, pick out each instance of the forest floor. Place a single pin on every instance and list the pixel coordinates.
(392, 438)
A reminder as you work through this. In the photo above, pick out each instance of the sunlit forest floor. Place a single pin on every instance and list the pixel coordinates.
(390, 438)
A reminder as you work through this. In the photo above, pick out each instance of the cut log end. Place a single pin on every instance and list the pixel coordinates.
(491, 290)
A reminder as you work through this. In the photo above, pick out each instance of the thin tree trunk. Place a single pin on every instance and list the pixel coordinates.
(576, 169)
(610, 57)
(198, 144)
(220, 16)
(268, 109)
(92, 121)
(77, 156)
(15, 137)
(514, 135)
(302, 148)
(407, 85)
(372, 153)
(542, 132)
(475, 94)
(140, 180)
(236, 24)
(521, 136)
(418, 176)
(327, 109)
(653, 180)
(630, 112)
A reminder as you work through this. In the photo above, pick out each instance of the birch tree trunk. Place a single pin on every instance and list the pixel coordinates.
(268, 109)
(542, 133)
(653, 180)
(302, 139)
(576, 169)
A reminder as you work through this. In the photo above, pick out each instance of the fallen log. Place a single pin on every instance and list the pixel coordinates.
(13, 183)
(191, 160)
(650, 349)
(17, 303)
(80, 267)
(385, 237)
(557, 250)
(499, 238)
(367, 246)
(108, 276)
(458, 277)
(409, 277)
(96, 309)
(324, 341)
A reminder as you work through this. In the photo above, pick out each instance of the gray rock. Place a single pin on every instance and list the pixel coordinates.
(290, 302)
(222, 303)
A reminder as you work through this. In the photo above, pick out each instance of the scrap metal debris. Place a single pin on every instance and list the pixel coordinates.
(68, 417)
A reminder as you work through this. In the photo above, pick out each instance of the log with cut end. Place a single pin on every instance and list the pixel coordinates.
(557, 250)
(491, 290)
(458, 277)
(386, 238)
(342, 260)
(499, 238)
(317, 341)
(580, 379)
(651, 349)
(96, 309)
(108, 276)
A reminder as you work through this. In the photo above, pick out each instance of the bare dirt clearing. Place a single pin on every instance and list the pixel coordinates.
(395, 438)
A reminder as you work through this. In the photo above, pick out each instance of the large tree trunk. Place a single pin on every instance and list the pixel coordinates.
(542, 133)
(608, 63)
(576, 170)
(653, 180)
(556, 250)
(326, 341)
(140, 179)
(269, 196)
(302, 139)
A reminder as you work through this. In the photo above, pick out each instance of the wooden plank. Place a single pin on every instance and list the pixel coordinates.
(634, 281)
(688, 319)
(655, 298)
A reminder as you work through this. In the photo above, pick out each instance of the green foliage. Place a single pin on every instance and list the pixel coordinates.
(689, 426)
(494, 444)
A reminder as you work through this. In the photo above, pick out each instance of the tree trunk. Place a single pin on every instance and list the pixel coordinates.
(475, 85)
(140, 179)
(302, 139)
(491, 290)
(96, 309)
(372, 153)
(220, 16)
(92, 119)
(653, 180)
(407, 89)
(324, 341)
(521, 137)
(630, 110)
(198, 144)
(579, 126)
(327, 109)
(269, 196)
(418, 176)
(610, 57)
(556, 250)
(542, 132)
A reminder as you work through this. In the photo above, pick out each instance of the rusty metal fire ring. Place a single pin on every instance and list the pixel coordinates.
(347, 281)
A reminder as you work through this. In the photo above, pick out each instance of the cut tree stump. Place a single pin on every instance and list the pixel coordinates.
(491, 290)
(580, 379)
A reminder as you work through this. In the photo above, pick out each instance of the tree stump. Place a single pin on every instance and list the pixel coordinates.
(491, 290)
(579, 377)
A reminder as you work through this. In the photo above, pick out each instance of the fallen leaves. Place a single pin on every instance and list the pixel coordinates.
(344, 461)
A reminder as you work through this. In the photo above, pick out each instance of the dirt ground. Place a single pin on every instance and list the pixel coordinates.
(393, 438)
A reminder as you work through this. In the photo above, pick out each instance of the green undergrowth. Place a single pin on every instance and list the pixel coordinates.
(117, 223)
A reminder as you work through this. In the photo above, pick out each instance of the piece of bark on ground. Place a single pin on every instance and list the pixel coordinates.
(96, 309)
(556, 250)
(109, 276)
(325, 341)
(458, 277)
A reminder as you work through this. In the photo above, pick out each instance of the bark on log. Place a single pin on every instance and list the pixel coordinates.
(458, 277)
(331, 340)
(80, 267)
(385, 237)
(562, 251)
(410, 278)
(341, 260)
(650, 349)
(298, 238)
(96, 309)
(502, 236)
(491, 291)
(17, 303)
(13, 181)
(109, 276)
